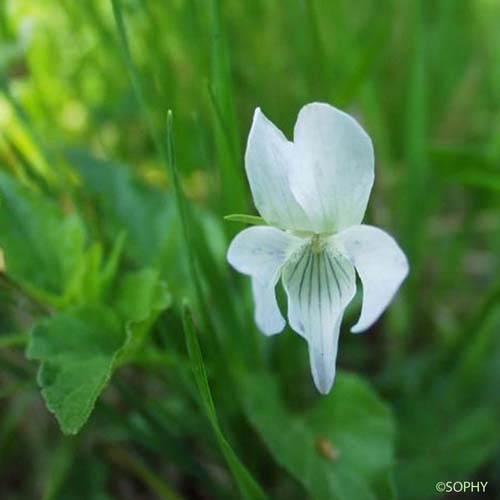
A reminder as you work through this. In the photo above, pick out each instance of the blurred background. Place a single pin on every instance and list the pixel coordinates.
(99, 397)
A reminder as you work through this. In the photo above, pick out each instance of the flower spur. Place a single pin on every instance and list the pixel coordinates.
(313, 193)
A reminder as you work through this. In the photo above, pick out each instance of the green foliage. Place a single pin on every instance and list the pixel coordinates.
(77, 350)
(249, 489)
(44, 250)
(245, 219)
(124, 202)
(341, 448)
(110, 219)
(142, 296)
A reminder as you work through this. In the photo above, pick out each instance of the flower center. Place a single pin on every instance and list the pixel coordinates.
(317, 243)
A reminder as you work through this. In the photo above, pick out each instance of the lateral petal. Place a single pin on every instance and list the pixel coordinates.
(260, 252)
(268, 317)
(381, 265)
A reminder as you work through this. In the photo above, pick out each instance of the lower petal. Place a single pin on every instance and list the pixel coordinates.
(323, 360)
(319, 284)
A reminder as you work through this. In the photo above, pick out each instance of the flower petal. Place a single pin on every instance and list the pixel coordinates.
(333, 176)
(268, 159)
(381, 265)
(268, 317)
(319, 286)
(260, 252)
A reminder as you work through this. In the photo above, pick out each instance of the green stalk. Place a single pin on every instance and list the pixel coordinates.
(470, 344)
(233, 188)
(184, 218)
(135, 77)
(136, 467)
(468, 340)
(416, 158)
(319, 68)
(416, 191)
(247, 485)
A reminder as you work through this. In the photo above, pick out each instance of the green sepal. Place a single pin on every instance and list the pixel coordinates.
(246, 219)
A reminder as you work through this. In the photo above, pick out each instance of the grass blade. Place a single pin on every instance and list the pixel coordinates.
(417, 173)
(183, 214)
(134, 75)
(136, 467)
(233, 190)
(247, 485)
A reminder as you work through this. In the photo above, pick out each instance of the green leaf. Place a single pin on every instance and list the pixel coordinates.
(110, 268)
(341, 449)
(80, 349)
(43, 248)
(245, 219)
(142, 296)
(435, 442)
(86, 283)
(247, 485)
(126, 203)
(77, 351)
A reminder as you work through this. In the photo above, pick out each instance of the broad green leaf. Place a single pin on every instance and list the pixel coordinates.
(43, 247)
(126, 203)
(247, 485)
(141, 298)
(459, 412)
(80, 349)
(110, 268)
(339, 450)
(77, 351)
(434, 446)
(85, 284)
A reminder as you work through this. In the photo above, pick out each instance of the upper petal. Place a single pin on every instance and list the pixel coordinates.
(260, 252)
(381, 265)
(333, 176)
(319, 285)
(268, 159)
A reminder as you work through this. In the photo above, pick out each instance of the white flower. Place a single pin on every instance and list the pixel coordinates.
(313, 194)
